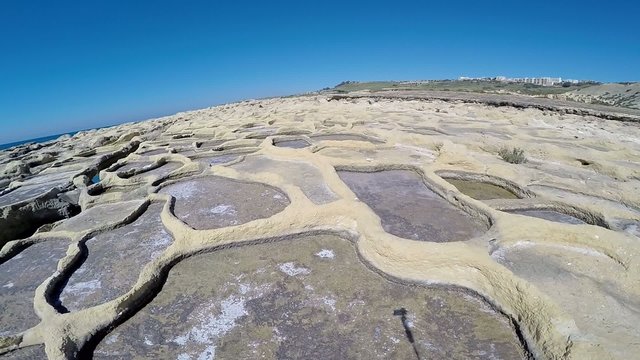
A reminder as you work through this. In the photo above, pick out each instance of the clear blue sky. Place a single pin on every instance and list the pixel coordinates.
(69, 65)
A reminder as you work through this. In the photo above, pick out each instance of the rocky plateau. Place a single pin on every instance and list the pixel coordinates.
(346, 226)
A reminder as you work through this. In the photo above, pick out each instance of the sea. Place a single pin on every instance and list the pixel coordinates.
(36, 140)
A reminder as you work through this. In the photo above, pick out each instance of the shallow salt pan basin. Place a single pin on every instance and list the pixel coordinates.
(409, 209)
(99, 216)
(481, 190)
(19, 278)
(38, 186)
(293, 144)
(214, 202)
(284, 300)
(114, 260)
(160, 171)
(134, 165)
(24, 193)
(550, 215)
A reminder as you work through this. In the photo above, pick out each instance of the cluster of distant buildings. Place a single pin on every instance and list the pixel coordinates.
(542, 81)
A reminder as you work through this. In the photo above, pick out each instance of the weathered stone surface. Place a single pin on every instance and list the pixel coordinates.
(213, 202)
(293, 144)
(629, 226)
(578, 279)
(19, 278)
(129, 191)
(341, 137)
(159, 172)
(218, 159)
(55, 177)
(35, 352)
(409, 209)
(31, 207)
(24, 193)
(155, 152)
(115, 260)
(298, 173)
(286, 300)
(16, 168)
(258, 131)
(579, 163)
(397, 154)
(619, 214)
(550, 215)
(132, 166)
(208, 144)
(470, 131)
(99, 216)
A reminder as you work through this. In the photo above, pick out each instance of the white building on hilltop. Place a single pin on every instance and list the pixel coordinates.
(542, 81)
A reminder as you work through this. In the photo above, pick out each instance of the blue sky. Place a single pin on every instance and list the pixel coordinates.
(69, 65)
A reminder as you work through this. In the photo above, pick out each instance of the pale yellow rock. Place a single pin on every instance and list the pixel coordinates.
(594, 158)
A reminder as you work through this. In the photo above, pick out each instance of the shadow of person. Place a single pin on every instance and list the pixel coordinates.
(402, 312)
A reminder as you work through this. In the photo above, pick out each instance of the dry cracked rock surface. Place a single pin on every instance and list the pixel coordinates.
(350, 227)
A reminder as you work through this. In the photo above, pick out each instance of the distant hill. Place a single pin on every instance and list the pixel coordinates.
(477, 86)
(614, 94)
(623, 95)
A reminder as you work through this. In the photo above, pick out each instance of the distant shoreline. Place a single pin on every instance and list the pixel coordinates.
(35, 140)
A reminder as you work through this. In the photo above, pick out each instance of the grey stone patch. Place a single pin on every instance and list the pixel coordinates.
(299, 173)
(629, 226)
(396, 154)
(210, 144)
(218, 160)
(23, 219)
(19, 278)
(159, 172)
(98, 216)
(132, 166)
(55, 177)
(126, 193)
(258, 132)
(343, 137)
(24, 193)
(115, 260)
(35, 352)
(293, 144)
(188, 152)
(214, 202)
(550, 215)
(409, 209)
(155, 152)
(249, 309)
